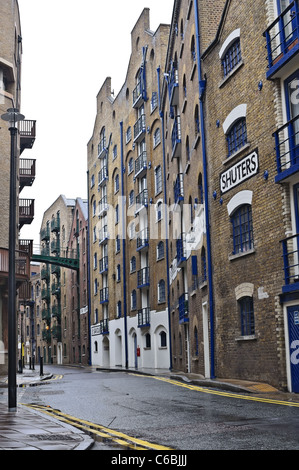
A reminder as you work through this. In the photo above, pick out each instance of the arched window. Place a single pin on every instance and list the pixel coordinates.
(163, 339)
(131, 198)
(157, 137)
(241, 220)
(133, 264)
(232, 57)
(116, 184)
(161, 291)
(195, 342)
(200, 189)
(133, 300)
(246, 316)
(160, 250)
(236, 137)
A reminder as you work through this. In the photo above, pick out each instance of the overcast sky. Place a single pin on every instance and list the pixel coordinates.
(69, 48)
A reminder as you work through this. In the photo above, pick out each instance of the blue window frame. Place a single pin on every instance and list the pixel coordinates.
(242, 229)
(133, 264)
(160, 250)
(232, 57)
(161, 291)
(237, 136)
(133, 300)
(246, 316)
(119, 309)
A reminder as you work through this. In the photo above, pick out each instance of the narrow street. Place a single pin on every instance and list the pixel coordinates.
(165, 413)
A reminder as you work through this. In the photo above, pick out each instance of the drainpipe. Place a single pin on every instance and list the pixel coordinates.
(88, 275)
(166, 219)
(122, 169)
(202, 86)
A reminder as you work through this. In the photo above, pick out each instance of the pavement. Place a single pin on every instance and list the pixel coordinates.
(28, 429)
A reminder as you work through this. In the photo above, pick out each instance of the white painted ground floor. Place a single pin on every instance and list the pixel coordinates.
(141, 347)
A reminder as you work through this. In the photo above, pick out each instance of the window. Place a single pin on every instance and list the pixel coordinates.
(117, 214)
(147, 340)
(196, 121)
(118, 309)
(161, 291)
(203, 264)
(95, 287)
(158, 179)
(114, 152)
(133, 300)
(130, 165)
(118, 273)
(160, 250)
(200, 189)
(195, 342)
(131, 198)
(237, 136)
(116, 184)
(133, 264)
(117, 244)
(157, 137)
(102, 144)
(163, 340)
(232, 57)
(128, 135)
(247, 316)
(242, 229)
(159, 211)
(154, 101)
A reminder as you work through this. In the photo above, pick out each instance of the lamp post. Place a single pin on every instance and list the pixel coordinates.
(13, 117)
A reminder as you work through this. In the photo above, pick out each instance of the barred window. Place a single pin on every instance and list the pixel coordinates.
(247, 316)
(242, 229)
(232, 57)
(237, 136)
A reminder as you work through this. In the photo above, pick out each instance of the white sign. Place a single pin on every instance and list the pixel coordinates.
(241, 171)
(95, 330)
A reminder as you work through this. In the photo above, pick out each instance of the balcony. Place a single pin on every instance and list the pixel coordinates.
(104, 326)
(181, 250)
(56, 311)
(142, 239)
(55, 247)
(282, 38)
(27, 134)
(22, 265)
(287, 149)
(143, 278)
(55, 289)
(103, 265)
(55, 270)
(46, 335)
(26, 246)
(184, 308)
(55, 224)
(103, 176)
(176, 138)
(45, 274)
(45, 234)
(144, 317)
(141, 164)
(141, 200)
(56, 332)
(46, 315)
(178, 188)
(104, 295)
(26, 211)
(174, 87)
(103, 206)
(26, 172)
(46, 294)
(103, 235)
(139, 129)
(290, 250)
(138, 94)
(102, 150)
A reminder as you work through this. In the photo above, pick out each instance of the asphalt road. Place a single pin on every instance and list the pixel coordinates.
(166, 413)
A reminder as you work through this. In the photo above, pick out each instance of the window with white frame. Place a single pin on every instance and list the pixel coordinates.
(133, 264)
(128, 135)
(158, 179)
(161, 291)
(160, 250)
(230, 52)
(133, 300)
(235, 129)
(157, 137)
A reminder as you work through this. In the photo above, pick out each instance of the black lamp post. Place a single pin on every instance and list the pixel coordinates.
(13, 117)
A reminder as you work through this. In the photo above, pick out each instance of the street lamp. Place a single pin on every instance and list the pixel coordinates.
(13, 117)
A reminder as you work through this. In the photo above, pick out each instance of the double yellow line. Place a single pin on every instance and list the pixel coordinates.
(220, 393)
(101, 431)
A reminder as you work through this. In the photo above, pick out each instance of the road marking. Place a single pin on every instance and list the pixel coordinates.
(216, 392)
(101, 431)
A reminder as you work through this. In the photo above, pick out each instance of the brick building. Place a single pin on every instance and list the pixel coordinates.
(281, 36)
(10, 97)
(246, 205)
(128, 279)
(186, 185)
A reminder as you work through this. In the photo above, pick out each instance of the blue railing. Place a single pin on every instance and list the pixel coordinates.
(142, 239)
(290, 248)
(144, 317)
(173, 86)
(104, 326)
(103, 265)
(104, 295)
(183, 308)
(287, 149)
(181, 252)
(176, 137)
(178, 188)
(139, 128)
(143, 279)
(141, 163)
(282, 38)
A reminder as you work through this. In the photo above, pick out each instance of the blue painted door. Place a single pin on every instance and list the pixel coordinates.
(293, 323)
